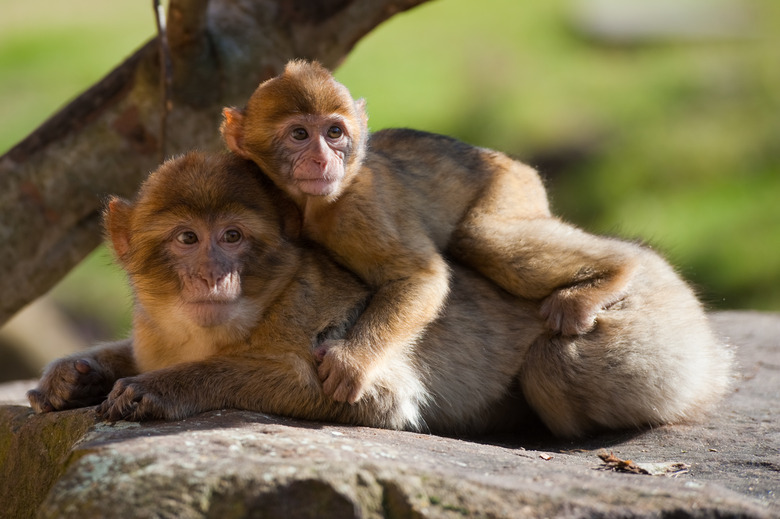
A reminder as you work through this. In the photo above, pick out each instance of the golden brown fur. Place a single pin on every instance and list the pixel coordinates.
(389, 211)
(650, 358)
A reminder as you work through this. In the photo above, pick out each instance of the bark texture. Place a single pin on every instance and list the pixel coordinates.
(52, 183)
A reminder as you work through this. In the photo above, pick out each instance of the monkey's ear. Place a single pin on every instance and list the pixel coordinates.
(116, 221)
(232, 130)
(360, 108)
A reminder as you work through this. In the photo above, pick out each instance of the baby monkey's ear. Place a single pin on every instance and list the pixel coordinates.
(232, 130)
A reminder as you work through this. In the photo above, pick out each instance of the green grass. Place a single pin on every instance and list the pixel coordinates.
(682, 138)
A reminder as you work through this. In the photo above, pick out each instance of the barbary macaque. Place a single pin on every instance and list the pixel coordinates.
(391, 204)
(231, 308)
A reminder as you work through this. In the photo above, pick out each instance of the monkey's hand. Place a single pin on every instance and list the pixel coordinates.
(70, 383)
(137, 399)
(343, 375)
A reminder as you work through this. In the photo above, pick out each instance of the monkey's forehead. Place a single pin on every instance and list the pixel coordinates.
(279, 98)
(202, 181)
(204, 210)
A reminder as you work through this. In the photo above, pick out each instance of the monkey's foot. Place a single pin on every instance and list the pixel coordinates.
(567, 312)
(70, 383)
(342, 373)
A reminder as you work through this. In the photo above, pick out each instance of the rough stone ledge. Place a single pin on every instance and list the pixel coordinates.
(239, 464)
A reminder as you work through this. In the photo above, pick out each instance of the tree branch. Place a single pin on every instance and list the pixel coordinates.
(104, 142)
(166, 73)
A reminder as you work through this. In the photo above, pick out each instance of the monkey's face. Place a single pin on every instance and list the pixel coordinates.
(315, 149)
(207, 257)
(303, 129)
(202, 245)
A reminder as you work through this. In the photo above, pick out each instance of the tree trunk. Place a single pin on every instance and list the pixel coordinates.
(106, 141)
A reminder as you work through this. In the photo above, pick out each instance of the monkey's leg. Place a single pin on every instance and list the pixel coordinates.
(82, 379)
(513, 190)
(576, 274)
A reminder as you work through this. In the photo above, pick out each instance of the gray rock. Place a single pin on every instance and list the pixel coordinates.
(231, 464)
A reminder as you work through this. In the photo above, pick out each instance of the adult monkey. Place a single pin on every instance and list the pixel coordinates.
(229, 310)
(390, 204)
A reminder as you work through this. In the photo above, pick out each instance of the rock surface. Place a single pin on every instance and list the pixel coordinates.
(231, 464)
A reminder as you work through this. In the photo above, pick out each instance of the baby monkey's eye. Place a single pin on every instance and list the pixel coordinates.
(299, 134)
(187, 238)
(231, 236)
(334, 132)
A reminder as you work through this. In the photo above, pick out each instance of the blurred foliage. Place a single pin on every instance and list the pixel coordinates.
(671, 142)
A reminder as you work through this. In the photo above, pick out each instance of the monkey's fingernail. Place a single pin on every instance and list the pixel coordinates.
(82, 366)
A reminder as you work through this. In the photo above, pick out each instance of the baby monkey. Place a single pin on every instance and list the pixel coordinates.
(390, 205)
(230, 309)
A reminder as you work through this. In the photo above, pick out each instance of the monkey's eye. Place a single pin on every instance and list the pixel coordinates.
(299, 134)
(231, 236)
(334, 132)
(187, 238)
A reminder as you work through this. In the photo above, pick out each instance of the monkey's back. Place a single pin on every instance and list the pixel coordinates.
(438, 179)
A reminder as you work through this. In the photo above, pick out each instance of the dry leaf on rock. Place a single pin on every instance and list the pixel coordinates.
(612, 462)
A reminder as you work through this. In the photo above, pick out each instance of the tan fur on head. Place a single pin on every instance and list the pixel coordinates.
(305, 87)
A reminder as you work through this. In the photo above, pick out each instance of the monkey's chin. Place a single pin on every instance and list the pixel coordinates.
(210, 314)
(317, 186)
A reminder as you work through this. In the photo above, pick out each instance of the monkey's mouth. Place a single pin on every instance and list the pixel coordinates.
(316, 186)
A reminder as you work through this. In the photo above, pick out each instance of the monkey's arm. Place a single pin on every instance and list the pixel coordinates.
(373, 233)
(576, 274)
(83, 379)
(284, 384)
(397, 314)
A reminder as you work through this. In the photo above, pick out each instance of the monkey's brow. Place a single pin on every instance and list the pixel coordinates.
(192, 209)
(180, 214)
(309, 117)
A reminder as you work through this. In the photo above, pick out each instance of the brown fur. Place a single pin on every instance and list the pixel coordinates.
(650, 358)
(393, 207)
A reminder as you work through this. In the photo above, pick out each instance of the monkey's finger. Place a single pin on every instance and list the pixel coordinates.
(323, 371)
(38, 402)
(343, 391)
(319, 354)
(120, 410)
(101, 409)
(355, 395)
(329, 385)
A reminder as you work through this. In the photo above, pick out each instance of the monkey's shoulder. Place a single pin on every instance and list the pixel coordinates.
(413, 155)
(411, 141)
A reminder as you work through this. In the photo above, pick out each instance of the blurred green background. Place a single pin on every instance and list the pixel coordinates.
(649, 119)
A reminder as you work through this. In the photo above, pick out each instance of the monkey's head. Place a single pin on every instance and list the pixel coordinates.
(203, 243)
(304, 129)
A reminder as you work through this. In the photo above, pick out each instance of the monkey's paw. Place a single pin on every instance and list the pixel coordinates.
(568, 313)
(70, 383)
(134, 399)
(343, 375)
